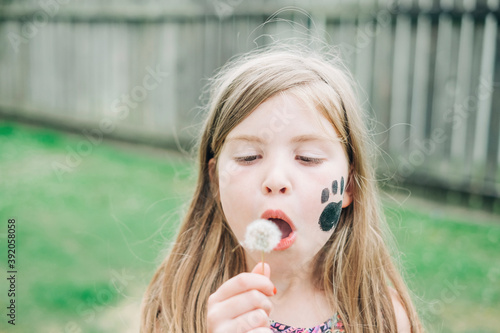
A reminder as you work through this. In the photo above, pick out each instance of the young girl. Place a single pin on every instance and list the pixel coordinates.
(285, 141)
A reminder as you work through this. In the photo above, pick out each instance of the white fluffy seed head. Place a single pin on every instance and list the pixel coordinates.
(262, 235)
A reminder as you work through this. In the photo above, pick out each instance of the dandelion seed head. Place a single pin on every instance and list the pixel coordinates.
(262, 235)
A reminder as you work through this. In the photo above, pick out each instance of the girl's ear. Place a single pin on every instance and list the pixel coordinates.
(349, 189)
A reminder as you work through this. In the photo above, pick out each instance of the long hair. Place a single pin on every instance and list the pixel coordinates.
(354, 268)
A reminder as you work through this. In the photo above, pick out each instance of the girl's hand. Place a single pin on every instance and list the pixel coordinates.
(241, 304)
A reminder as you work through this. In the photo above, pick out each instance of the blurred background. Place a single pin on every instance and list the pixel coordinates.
(100, 109)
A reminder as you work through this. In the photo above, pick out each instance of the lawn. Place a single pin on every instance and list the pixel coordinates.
(93, 220)
(451, 258)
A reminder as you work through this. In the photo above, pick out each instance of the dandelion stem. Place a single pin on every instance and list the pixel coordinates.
(262, 256)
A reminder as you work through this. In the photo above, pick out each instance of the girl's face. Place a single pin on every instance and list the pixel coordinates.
(286, 163)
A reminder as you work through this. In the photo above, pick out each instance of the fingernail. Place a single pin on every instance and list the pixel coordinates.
(275, 291)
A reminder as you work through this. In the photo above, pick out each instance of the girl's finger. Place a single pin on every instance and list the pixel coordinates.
(258, 269)
(249, 322)
(238, 305)
(242, 283)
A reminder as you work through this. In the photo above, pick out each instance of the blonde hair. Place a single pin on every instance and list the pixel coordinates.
(354, 268)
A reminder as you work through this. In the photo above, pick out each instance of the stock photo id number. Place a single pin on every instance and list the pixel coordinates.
(11, 271)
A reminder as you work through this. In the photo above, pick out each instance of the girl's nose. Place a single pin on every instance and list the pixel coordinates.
(276, 181)
(272, 189)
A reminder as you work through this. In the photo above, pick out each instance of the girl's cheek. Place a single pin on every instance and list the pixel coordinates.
(229, 173)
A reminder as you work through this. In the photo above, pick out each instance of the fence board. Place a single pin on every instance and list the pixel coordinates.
(398, 139)
(382, 75)
(484, 105)
(486, 73)
(420, 82)
(165, 121)
(463, 88)
(441, 79)
(363, 59)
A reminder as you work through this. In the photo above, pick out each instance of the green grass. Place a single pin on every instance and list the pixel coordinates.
(451, 259)
(89, 239)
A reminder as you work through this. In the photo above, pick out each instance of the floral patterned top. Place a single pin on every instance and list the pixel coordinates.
(332, 325)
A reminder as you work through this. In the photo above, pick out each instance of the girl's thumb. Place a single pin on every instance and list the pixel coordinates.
(258, 269)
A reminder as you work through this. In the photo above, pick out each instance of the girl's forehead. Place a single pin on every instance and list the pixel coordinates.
(286, 113)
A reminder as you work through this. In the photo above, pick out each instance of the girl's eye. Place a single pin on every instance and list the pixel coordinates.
(246, 159)
(309, 160)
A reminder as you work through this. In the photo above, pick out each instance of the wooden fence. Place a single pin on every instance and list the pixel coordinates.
(428, 71)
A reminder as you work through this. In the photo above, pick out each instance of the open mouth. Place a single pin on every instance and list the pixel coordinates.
(285, 225)
(285, 228)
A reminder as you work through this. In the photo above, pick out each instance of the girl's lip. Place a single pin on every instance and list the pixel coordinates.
(278, 214)
(285, 243)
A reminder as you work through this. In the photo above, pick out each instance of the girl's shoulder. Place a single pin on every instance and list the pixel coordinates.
(332, 325)
(402, 320)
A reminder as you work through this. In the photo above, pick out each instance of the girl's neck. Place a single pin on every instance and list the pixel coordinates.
(290, 278)
(300, 306)
(298, 301)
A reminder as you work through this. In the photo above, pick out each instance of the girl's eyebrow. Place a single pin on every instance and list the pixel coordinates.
(247, 138)
(312, 137)
(296, 139)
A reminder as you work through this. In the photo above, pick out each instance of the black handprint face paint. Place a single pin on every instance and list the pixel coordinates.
(331, 214)
(324, 195)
